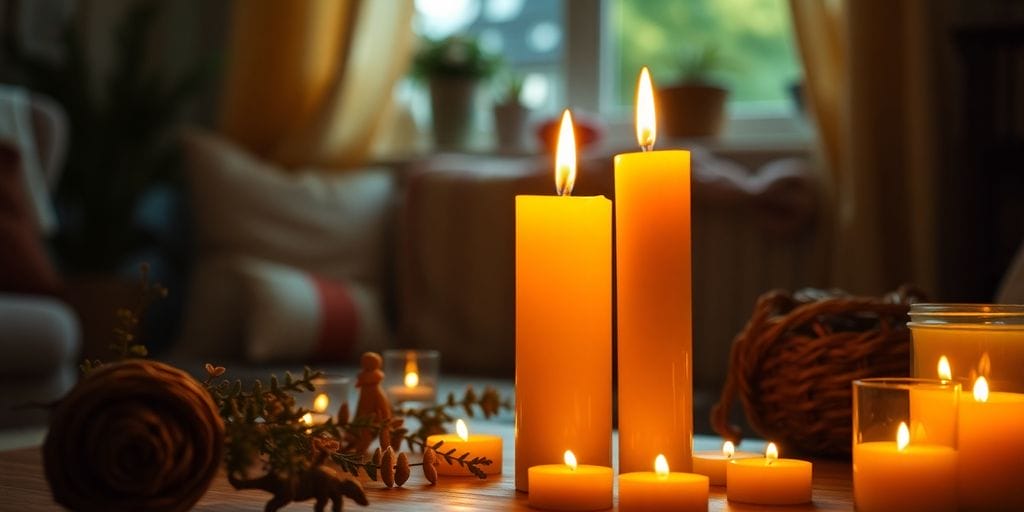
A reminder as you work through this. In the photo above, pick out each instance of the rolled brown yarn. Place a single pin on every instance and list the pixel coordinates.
(793, 365)
(133, 435)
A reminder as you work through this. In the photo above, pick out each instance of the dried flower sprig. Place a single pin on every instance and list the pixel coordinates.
(433, 419)
(126, 344)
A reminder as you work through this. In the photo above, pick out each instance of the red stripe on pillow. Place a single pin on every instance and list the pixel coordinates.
(339, 320)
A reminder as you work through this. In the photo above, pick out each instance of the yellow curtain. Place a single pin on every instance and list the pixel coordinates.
(868, 67)
(307, 80)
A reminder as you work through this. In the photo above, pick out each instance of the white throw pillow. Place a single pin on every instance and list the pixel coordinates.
(271, 242)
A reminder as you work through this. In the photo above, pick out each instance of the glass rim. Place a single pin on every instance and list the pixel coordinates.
(420, 352)
(956, 309)
(907, 383)
(332, 378)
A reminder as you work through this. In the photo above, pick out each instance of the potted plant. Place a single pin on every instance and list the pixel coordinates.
(694, 105)
(453, 68)
(510, 115)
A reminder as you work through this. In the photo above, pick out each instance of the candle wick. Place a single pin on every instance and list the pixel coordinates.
(647, 147)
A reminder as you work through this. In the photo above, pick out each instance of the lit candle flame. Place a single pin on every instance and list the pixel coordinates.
(981, 390)
(570, 459)
(771, 454)
(945, 372)
(307, 418)
(646, 125)
(985, 364)
(902, 436)
(661, 466)
(462, 430)
(321, 402)
(728, 449)
(412, 375)
(565, 157)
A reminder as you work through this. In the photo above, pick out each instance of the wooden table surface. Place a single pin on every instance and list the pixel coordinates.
(23, 488)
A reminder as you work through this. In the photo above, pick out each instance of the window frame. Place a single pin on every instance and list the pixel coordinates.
(588, 57)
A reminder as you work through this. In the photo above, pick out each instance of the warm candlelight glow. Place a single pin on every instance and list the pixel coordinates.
(565, 157)
(412, 371)
(902, 436)
(985, 364)
(646, 125)
(945, 372)
(981, 390)
(728, 449)
(570, 459)
(771, 454)
(307, 418)
(661, 466)
(321, 402)
(461, 430)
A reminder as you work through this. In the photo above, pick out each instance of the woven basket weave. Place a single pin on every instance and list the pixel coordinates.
(792, 365)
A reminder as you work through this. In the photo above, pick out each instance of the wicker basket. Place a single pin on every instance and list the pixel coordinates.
(793, 364)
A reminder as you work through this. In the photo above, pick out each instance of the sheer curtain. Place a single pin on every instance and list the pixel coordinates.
(869, 79)
(308, 80)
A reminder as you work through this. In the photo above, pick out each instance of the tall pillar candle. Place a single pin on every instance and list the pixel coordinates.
(563, 323)
(652, 228)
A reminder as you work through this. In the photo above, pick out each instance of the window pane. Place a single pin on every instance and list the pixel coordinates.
(753, 40)
(528, 34)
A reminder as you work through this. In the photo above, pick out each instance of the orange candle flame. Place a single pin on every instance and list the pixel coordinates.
(945, 372)
(570, 460)
(565, 157)
(412, 376)
(728, 449)
(646, 125)
(661, 466)
(902, 436)
(321, 402)
(462, 430)
(981, 390)
(771, 454)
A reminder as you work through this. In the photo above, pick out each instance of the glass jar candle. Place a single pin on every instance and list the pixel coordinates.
(410, 376)
(981, 346)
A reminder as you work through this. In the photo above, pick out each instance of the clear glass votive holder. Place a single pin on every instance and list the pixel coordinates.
(981, 346)
(411, 376)
(905, 444)
(331, 391)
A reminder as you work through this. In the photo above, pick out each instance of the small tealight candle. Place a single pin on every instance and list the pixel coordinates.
(663, 490)
(478, 445)
(713, 464)
(899, 475)
(570, 486)
(769, 481)
(315, 418)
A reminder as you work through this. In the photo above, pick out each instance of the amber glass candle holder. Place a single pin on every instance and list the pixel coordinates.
(905, 444)
(981, 346)
(976, 339)
(411, 376)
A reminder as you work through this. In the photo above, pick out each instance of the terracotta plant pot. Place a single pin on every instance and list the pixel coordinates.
(510, 126)
(452, 106)
(692, 110)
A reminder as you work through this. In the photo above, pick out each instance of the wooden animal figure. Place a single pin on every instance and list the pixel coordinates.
(319, 482)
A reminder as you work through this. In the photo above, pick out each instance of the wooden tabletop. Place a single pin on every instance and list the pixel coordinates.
(23, 488)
